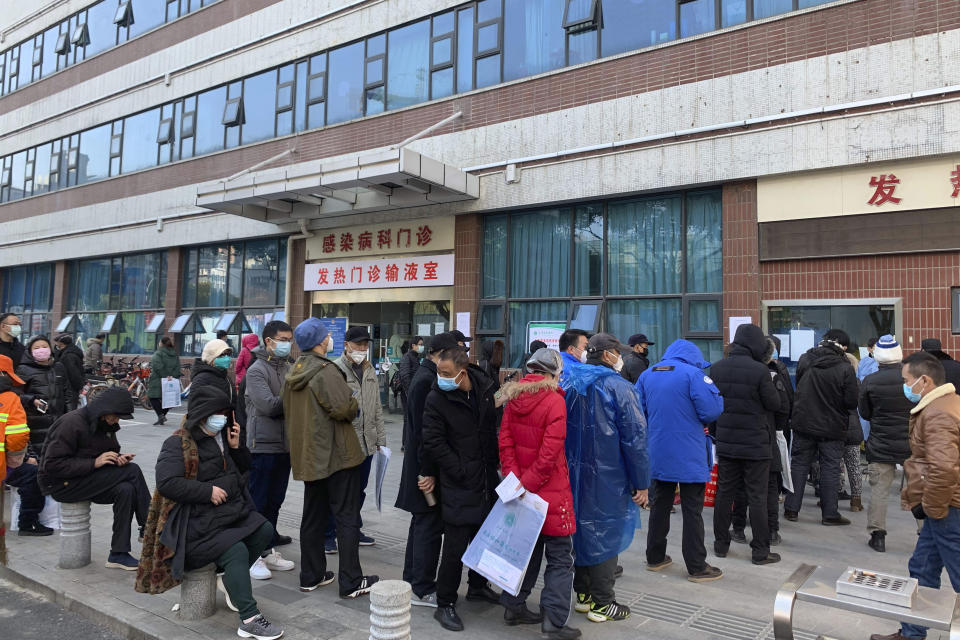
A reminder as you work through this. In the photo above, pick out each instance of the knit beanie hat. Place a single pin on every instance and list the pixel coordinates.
(214, 349)
(887, 350)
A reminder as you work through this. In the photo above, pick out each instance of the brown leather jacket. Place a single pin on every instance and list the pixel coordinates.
(933, 469)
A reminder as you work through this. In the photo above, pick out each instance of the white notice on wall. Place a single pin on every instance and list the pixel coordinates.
(463, 322)
(801, 341)
(784, 339)
(735, 322)
(437, 328)
(423, 329)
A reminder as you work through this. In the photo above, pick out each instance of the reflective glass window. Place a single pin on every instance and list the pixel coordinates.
(540, 254)
(141, 281)
(212, 277)
(534, 38)
(644, 239)
(582, 46)
(147, 14)
(49, 64)
(235, 278)
(520, 314)
(804, 4)
(26, 58)
(733, 12)
(259, 107)
(488, 71)
(18, 175)
(634, 24)
(588, 247)
(697, 16)
(704, 243)
(189, 291)
(704, 315)
(767, 8)
(345, 84)
(660, 320)
(100, 26)
(300, 100)
(209, 128)
(260, 272)
(408, 67)
(92, 291)
(41, 176)
(94, 161)
(464, 50)
(489, 9)
(140, 141)
(442, 83)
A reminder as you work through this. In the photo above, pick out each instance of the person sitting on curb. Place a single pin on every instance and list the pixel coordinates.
(82, 462)
(207, 513)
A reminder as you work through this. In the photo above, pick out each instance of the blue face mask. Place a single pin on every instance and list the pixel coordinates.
(222, 362)
(216, 423)
(776, 354)
(447, 384)
(281, 349)
(909, 392)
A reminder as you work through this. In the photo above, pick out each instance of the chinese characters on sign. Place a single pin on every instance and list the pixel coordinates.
(419, 271)
(417, 238)
(955, 181)
(886, 184)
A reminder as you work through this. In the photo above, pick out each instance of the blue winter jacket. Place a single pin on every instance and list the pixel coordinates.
(607, 452)
(867, 366)
(679, 400)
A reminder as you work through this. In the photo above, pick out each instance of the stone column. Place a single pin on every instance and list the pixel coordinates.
(198, 593)
(74, 535)
(390, 610)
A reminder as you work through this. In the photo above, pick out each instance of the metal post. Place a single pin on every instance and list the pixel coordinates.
(786, 598)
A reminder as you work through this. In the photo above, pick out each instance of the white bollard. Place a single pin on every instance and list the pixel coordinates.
(74, 535)
(198, 593)
(390, 610)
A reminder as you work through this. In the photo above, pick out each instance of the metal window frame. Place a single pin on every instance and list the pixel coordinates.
(371, 85)
(583, 24)
(80, 36)
(601, 312)
(238, 118)
(116, 135)
(493, 303)
(123, 16)
(29, 171)
(62, 46)
(170, 136)
(685, 311)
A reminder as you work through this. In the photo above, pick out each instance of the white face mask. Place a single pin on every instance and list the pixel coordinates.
(14, 330)
(358, 356)
(618, 365)
(583, 356)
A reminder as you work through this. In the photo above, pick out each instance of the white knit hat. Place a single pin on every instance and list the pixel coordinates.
(213, 350)
(888, 350)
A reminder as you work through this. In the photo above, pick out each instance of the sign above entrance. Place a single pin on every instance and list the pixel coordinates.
(432, 234)
(387, 273)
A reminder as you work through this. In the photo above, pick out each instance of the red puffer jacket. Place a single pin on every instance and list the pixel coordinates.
(532, 435)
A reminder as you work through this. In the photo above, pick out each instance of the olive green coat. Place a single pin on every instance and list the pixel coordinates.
(319, 409)
(164, 363)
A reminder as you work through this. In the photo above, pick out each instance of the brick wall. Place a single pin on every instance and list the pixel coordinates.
(741, 287)
(468, 236)
(299, 299)
(922, 280)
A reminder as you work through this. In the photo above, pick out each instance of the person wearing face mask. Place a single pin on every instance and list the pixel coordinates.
(164, 365)
(362, 380)
(211, 369)
(573, 350)
(71, 356)
(460, 439)
(606, 450)
(326, 454)
(406, 369)
(201, 467)
(44, 391)
(10, 344)
(636, 361)
(82, 461)
(932, 491)
(267, 436)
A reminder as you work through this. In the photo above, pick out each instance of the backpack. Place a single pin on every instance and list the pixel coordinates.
(396, 385)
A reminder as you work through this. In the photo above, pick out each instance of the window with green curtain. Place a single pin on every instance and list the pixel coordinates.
(540, 254)
(212, 277)
(704, 315)
(659, 319)
(495, 256)
(93, 291)
(588, 248)
(520, 314)
(712, 350)
(644, 246)
(704, 243)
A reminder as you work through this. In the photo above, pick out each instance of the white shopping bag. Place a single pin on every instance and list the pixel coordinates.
(49, 517)
(502, 548)
(784, 461)
(170, 393)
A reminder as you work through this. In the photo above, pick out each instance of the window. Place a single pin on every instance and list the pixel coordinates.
(286, 89)
(588, 251)
(316, 92)
(28, 292)
(955, 309)
(580, 15)
(208, 134)
(636, 24)
(345, 82)
(697, 16)
(733, 12)
(540, 255)
(80, 36)
(535, 40)
(259, 107)
(488, 42)
(495, 257)
(645, 243)
(94, 154)
(140, 141)
(408, 68)
(767, 8)
(441, 55)
(465, 50)
(373, 78)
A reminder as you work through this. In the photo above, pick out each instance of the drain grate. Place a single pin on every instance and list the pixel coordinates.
(727, 625)
(664, 609)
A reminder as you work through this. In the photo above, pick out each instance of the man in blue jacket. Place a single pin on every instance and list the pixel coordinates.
(680, 401)
(606, 449)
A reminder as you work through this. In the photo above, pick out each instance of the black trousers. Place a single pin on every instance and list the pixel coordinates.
(339, 493)
(753, 476)
(691, 505)
(830, 454)
(557, 579)
(739, 519)
(596, 580)
(157, 404)
(456, 539)
(123, 487)
(423, 551)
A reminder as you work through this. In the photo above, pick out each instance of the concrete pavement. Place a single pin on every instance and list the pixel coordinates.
(665, 605)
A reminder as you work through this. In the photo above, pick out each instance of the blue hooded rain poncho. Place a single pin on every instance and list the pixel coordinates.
(679, 400)
(607, 452)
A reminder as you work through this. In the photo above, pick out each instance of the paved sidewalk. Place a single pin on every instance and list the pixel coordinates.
(665, 605)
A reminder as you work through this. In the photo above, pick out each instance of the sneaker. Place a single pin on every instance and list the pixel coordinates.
(330, 547)
(429, 600)
(709, 574)
(259, 628)
(328, 577)
(123, 561)
(276, 562)
(259, 570)
(770, 559)
(775, 539)
(659, 566)
(35, 529)
(792, 516)
(366, 541)
(612, 611)
(835, 521)
(365, 584)
(739, 536)
(226, 595)
(583, 603)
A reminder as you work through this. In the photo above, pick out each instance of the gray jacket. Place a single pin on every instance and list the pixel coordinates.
(369, 421)
(266, 432)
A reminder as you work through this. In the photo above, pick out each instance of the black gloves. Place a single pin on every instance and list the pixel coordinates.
(918, 513)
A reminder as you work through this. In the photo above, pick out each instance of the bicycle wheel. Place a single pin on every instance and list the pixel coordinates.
(144, 400)
(95, 391)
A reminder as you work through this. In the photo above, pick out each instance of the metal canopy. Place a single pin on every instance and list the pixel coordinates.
(359, 183)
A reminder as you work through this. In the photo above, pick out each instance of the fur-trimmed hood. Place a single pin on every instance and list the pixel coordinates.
(522, 393)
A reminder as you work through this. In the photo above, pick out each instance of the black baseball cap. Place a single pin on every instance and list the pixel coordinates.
(459, 336)
(357, 334)
(639, 338)
(603, 342)
(443, 341)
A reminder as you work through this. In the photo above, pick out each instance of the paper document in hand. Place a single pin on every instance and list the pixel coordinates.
(382, 458)
(502, 548)
(510, 488)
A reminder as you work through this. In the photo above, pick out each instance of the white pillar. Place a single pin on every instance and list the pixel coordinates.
(390, 610)
(74, 535)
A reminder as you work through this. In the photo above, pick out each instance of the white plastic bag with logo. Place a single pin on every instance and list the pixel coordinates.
(784, 461)
(170, 393)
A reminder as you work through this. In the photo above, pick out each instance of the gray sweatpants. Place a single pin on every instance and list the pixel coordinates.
(557, 579)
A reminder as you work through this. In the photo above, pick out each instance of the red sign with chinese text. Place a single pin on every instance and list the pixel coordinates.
(387, 273)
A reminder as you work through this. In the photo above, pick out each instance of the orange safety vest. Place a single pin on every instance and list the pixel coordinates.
(13, 425)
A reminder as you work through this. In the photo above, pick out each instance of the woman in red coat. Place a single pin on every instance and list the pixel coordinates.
(532, 436)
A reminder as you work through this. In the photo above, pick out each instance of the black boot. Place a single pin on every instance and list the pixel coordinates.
(35, 529)
(878, 541)
(513, 617)
(554, 632)
(448, 618)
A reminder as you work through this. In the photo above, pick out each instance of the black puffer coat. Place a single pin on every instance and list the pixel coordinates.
(205, 375)
(409, 363)
(76, 440)
(826, 393)
(633, 365)
(415, 462)
(211, 529)
(71, 357)
(462, 442)
(883, 404)
(45, 381)
(951, 368)
(744, 429)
